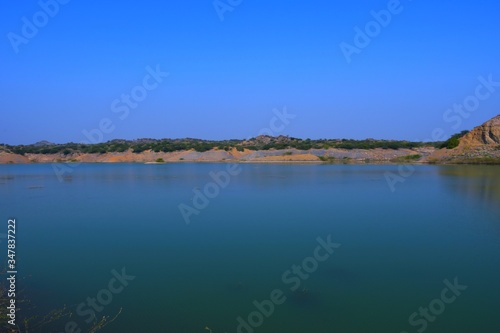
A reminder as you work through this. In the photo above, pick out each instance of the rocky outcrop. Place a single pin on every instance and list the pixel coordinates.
(481, 145)
(486, 134)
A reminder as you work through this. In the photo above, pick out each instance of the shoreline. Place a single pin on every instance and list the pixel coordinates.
(319, 162)
(377, 156)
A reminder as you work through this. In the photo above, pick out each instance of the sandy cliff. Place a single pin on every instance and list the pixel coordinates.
(486, 134)
(482, 144)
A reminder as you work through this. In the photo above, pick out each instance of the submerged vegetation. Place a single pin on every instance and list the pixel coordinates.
(171, 145)
(28, 320)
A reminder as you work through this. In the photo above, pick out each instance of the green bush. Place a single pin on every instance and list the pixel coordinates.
(454, 141)
(412, 157)
(407, 158)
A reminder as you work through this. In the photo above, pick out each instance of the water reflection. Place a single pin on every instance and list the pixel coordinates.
(478, 183)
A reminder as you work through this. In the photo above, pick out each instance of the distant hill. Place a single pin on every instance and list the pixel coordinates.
(43, 143)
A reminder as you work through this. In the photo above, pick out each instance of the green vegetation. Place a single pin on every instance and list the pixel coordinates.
(412, 157)
(454, 141)
(329, 159)
(171, 145)
(160, 160)
(346, 160)
(407, 158)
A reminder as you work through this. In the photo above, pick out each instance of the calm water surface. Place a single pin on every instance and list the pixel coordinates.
(397, 248)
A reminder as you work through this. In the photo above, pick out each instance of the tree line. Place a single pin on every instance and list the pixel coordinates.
(260, 143)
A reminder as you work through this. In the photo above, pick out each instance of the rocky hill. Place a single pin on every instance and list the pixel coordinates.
(486, 134)
(481, 145)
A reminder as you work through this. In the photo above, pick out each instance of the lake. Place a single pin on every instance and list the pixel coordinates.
(210, 247)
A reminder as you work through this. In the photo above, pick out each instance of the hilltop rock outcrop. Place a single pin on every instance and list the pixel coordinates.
(485, 134)
(481, 145)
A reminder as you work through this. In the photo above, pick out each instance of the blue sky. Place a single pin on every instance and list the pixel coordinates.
(226, 77)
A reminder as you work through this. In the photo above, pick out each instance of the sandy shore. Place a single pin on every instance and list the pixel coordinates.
(260, 156)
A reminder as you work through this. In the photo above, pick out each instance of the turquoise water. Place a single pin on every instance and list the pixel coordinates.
(396, 247)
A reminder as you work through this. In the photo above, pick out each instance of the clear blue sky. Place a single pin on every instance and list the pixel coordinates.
(226, 77)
